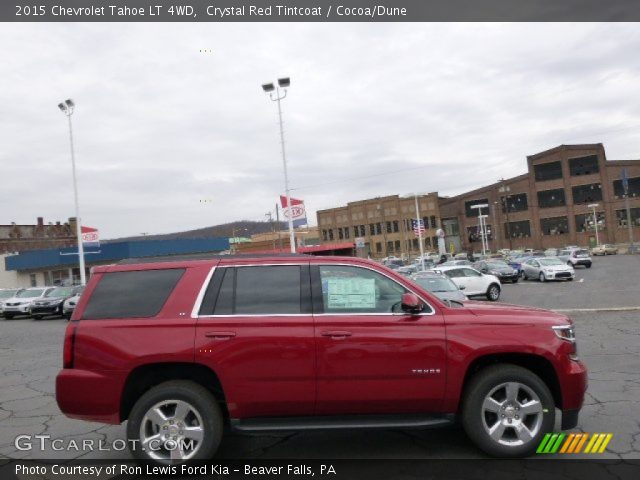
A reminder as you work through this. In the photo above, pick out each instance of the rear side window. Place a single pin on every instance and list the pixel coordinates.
(137, 294)
(258, 290)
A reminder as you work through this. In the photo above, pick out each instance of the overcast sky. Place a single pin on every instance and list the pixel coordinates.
(374, 109)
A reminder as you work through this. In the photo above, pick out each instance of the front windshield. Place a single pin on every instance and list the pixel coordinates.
(30, 293)
(436, 284)
(60, 292)
(7, 293)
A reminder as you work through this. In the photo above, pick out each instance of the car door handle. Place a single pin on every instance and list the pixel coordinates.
(336, 334)
(220, 335)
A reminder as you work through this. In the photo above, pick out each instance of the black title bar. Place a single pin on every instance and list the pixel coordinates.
(319, 10)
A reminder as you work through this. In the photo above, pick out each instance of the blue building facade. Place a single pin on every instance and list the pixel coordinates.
(64, 258)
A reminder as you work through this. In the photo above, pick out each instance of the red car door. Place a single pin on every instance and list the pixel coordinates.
(372, 357)
(255, 330)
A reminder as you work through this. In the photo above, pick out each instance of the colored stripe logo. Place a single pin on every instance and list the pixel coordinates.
(574, 443)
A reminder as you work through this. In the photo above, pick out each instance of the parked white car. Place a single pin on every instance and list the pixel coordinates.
(472, 282)
(547, 268)
(577, 256)
(20, 304)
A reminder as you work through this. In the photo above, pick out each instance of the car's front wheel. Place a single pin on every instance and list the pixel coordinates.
(175, 422)
(507, 410)
(542, 278)
(37, 317)
(493, 292)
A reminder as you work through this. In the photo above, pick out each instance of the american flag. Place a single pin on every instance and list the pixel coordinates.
(418, 227)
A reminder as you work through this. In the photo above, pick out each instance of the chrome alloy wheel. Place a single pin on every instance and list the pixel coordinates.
(171, 431)
(512, 414)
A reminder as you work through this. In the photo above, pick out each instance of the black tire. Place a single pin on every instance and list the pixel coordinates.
(190, 392)
(36, 317)
(8, 316)
(523, 275)
(493, 292)
(542, 278)
(588, 265)
(473, 416)
(515, 280)
(570, 279)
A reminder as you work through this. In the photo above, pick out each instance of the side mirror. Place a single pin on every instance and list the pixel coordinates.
(411, 303)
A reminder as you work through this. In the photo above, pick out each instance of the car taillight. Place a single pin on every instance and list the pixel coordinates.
(69, 343)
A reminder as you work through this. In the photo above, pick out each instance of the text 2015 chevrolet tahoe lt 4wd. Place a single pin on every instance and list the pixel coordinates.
(182, 347)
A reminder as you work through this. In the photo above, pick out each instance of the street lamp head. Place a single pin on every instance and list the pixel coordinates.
(268, 87)
(69, 103)
(62, 107)
(593, 205)
(284, 82)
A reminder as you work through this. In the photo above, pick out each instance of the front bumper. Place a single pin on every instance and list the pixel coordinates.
(507, 277)
(560, 275)
(17, 310)
(45, 310)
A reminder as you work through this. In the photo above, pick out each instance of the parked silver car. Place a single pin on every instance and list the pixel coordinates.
(547, 268)
(6, 293)
(70, 303)
(440, 285)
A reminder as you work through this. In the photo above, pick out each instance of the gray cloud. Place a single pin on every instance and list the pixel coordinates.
(373, 110)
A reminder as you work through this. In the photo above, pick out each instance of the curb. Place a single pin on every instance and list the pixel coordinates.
(592, 310)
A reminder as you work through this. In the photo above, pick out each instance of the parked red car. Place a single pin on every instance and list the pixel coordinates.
(181, 348)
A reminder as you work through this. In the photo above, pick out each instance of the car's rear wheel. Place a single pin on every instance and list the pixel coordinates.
(507, 410)
(175, 422)
(493, 292)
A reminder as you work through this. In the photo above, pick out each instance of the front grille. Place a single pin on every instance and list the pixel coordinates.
(563, 275)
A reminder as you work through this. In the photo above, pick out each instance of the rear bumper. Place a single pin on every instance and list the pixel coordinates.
(89, 395)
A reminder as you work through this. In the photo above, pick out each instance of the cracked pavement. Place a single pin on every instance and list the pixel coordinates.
(608, 342)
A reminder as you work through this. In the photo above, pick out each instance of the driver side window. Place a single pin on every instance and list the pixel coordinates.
(471, 273)
(348, 289)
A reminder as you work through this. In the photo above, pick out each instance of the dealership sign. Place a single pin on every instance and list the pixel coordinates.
(90, 237)
(297, 211)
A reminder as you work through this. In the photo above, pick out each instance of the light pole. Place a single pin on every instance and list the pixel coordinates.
(595, 220)
(283, 83)
(505, 201)
(67, 108)
(481, 218)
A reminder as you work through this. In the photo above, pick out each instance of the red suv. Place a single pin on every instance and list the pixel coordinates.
(182, 348)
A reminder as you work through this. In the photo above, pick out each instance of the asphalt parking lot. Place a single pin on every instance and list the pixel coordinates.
(609, 343)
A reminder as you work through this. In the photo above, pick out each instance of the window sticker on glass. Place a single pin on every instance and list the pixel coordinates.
(349, 293)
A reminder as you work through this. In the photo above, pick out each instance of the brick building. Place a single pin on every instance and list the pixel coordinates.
(384, 223)
(20, 238)
(546, 207)
(549, 205)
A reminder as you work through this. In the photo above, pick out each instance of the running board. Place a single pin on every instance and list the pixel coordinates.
(270, 424)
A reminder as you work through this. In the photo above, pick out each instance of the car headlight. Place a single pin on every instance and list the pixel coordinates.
(568, 334)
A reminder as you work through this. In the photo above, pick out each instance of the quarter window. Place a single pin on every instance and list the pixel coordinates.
(135, 294)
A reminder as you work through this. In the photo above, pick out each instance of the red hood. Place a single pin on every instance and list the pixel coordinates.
(502, 312)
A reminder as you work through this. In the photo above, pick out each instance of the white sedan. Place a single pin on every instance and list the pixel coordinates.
(472, 282)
